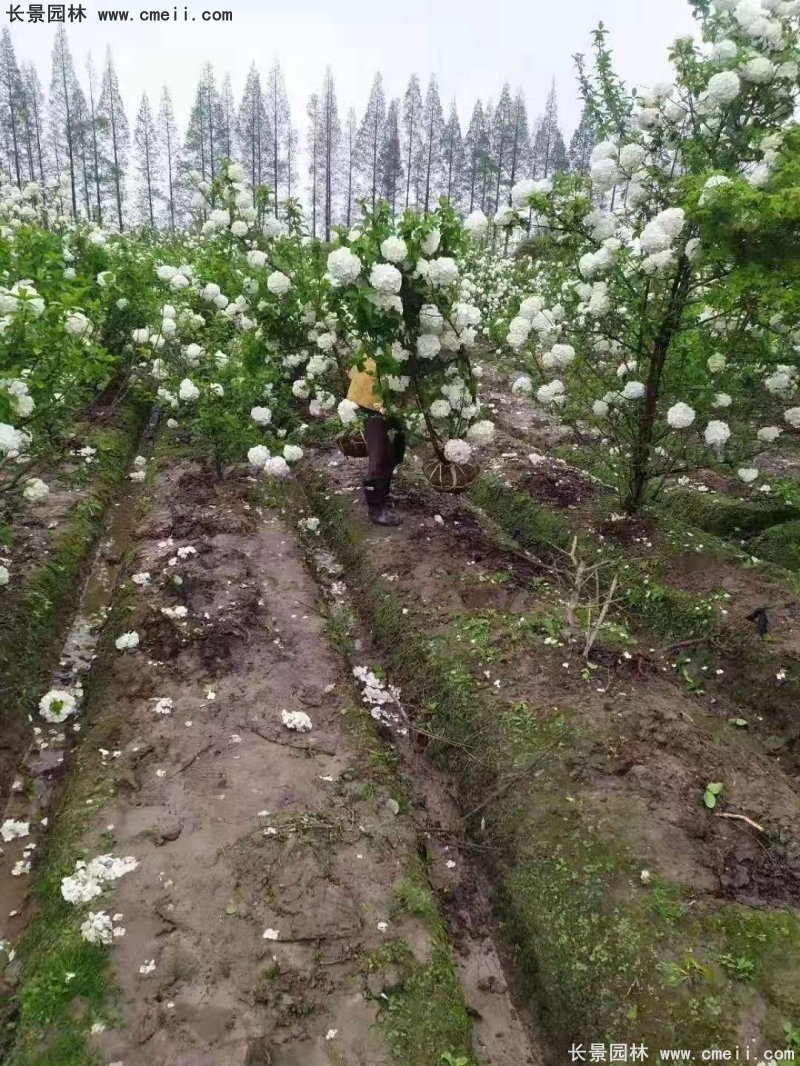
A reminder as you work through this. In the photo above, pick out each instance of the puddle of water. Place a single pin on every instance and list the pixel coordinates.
(45, 761)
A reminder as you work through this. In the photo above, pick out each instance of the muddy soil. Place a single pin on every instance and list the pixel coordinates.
(650, 748)
(269, 859)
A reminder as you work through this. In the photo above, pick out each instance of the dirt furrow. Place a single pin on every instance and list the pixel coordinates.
(279, 912)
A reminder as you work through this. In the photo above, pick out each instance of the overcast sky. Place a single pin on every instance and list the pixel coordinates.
(471, 46)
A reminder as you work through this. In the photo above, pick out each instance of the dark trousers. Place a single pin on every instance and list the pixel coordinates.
(380, 456)
(384, 453)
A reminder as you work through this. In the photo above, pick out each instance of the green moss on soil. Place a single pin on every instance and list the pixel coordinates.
(727, 517)
(35, 618)
(603, 956)
(779, 544)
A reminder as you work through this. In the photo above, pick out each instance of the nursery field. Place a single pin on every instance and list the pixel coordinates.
(514, 781)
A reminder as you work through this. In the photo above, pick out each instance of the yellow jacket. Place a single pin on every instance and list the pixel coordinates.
(362, 387)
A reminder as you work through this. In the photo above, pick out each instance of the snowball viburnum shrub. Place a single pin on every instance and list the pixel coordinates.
(654, 261)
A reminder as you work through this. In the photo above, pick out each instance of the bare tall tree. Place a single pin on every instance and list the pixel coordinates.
(253, 132)
(314, 149)
(169, 143)
(147, 162)
(12, 105)
(431, 131)
(412, 119)
(115, 135)
(282, 149)
(227, 119)
(63, 89)
(34, 116)
(370, 139)
(331, 138)
(452, 155)
(349, 163)
(391, 164)
(94, 140)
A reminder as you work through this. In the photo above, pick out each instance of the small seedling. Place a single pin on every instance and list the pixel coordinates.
(711, 793)
(740, 723)
(792, 1033)
(741, 969)
(449, 1059)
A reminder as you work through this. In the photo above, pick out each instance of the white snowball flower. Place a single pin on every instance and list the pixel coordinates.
(442, 272)
(440, 409)
(717, 433)
(518, 332)
(671, 221)
(292, 453)
(35, 490)
(431, 243)
(716, 363)
(278, 284)
(634, 390)
(256, 259)
(748, 474)
(722, 399)
(273, 227)
(262, 416)
(481, 433)
(531, 306)
(127, 641)
(522, 191)
(476, 224)
(386, 279)
(605, 174)
(188, 391)
(347, 411)
(258, 456)
(239, 228)
(394, 250)
(56, 706)
(428, 346)
(792, 416)
(723, 88)
(298, 721)
(681, 416)
(276, 467)
(600, 408)
(654, 239)
(551, 394)
(344, 266)
(758, 70)
(77, 324)
(522, 386)
(430, 319)
(631, 157)
(769, 434)
(457, 451)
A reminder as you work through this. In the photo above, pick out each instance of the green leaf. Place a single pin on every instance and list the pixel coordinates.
(710, 799)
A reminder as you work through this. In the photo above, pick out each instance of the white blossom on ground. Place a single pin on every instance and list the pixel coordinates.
(298, 721)
(12, 829)
(56, 706)
(127, 641)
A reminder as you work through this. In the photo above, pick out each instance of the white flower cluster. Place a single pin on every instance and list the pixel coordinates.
(88, 880)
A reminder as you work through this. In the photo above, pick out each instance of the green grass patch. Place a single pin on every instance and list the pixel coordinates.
(602, 953)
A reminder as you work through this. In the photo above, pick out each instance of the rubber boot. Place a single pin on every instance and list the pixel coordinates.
(376, 493)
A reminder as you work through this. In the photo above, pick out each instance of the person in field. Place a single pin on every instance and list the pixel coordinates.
(384, 452)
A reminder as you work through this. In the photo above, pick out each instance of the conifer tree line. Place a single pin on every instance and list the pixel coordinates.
(76, 137)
